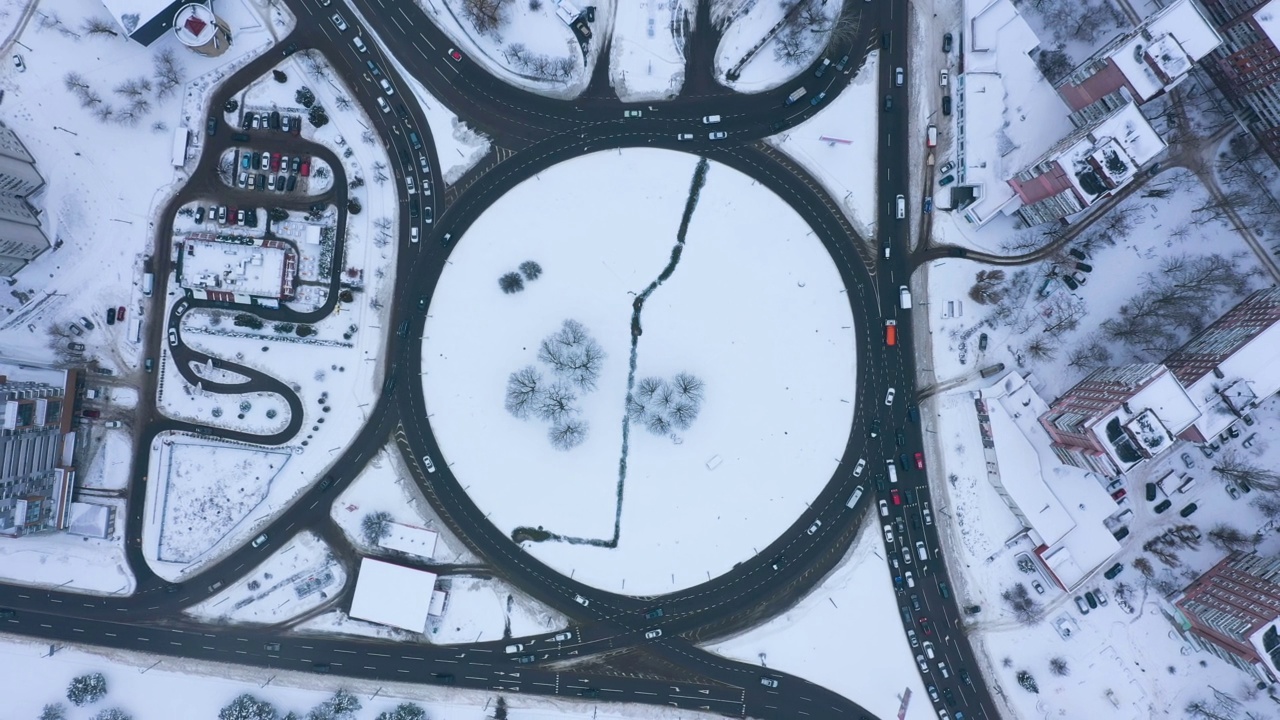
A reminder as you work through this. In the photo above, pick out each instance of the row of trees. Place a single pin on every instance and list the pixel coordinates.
(135, 94)
(575, 360)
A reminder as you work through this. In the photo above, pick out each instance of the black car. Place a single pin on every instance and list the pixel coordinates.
(327, 482)
(111, 316)
(906, 461)
(280, 183)
(320, 667)
(526, 659)
(443, 678)
(246, 122)
(291, 183)
(389, 385)
(275, 119)
(1164, 505)
(200, 214)
(1093, 601)
(290, 49)
(405, 158)
(1121, 534)
(1077, 254)
(403, 331)
(1151, 491)
(403, 112)
(946, 43)
(913, 413)
(949, 696)
(240, 137)
(873, 430)
(901, 437)
(1113, 571)
(885, 41)
(964, 677)
(422, 302)
(1084, 267)
(211, 126)
(879, 483)
(373, 67)
(1186, 511)
(589, 692)
(909, 496)
(946, 104)
(6, 613)
(1070, 282)
(413, 208)
(653, 614)
(888, 103)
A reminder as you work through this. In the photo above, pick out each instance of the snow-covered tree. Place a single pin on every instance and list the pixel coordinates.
(54, 711)
(248, 707)
(87, 689)
(113, 714)
(568, 433)
(530, 269)
(373, 527)
(523, 388)
(511, 283)
(1027, 682)
(404, 711)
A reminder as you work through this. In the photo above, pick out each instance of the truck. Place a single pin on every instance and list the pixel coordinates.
(931, 136)
(148, 283)
(990, 370)
(890, 332)
(795, 95)
(135, 331)
(904, 297)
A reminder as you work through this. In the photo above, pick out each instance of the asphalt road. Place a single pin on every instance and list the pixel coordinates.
(541, 132)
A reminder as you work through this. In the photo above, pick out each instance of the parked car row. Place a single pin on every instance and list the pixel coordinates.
(271, 171)
(271, 121)
(225, 215)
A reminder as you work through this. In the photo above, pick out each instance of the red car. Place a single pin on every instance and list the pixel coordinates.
(231, 216)
(305, 170)
(275, 162)
(925, 626)
(120, 314)
(457, 56)
(91, 413)
(919, 461)
(897, 498)
(1118, 495)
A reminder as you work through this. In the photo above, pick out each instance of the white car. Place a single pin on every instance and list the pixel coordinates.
(857, 469)
(768, 682)
(888, 535)
(339, 22)
(911, 580)
(888, 397)
(581, 600)
(383, 104)
(359, 43)
(514, 648)
(386, 86)
(929, 651)
(260, 541)
(899, 77)
(944, 77)
(924, 665)
(410, 185)
(173, 336)
(884, 509)
(717, 135)
(426, 461)
(562, 637)
(814, 527)
(413, 234)
(655, 633)
(19, 64)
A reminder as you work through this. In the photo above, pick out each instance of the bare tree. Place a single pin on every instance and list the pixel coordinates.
(1268, 505)
(1089, 357)
(168, 73)
(573, 354)
(1058, 666)
(986, 285)
(658, 424)
(689, 387)
(568, 434)
(511, 283)
(487, 16)
(1042, 348)
(556, 402)
(1025, 609)
(1228, 538)
(75, 82)
(99, 26)
(1232, 467)
(342, 102)
(132, 88)
(523, 388)
(1143, 565)
(530, 269)
(648, 387)
(1162, 552)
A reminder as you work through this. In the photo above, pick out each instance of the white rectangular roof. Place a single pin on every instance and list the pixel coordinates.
(1253, 363)
(410, 539)
(1268, 18)
(133, 14)
(249, 270)
(393, 595)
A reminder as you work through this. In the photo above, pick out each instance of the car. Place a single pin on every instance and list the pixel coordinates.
(1070, 282)
(513, 648)
(199, 216)
(295, 163)
(243, 181)
(919, 461)
(822, 67)
(946, 180)
(946, 43)
(889, 395)
(222, 214)
(884, 508)
(526, 659)
(173, 336)
(339, 22)
(900, 437)
(778, 562)
(946, 167)
(426, 462)
(589, 692)
(374, 70)
(286, 123)
(103, 371)
(274, 120)
(944, 77)
(1233, 492)
(19, 64)
(111, 316)
(1084, 267)
(326, 483)
(928, 203)
(211, 126)
(240, 217)
(769, 682)
(76, 347)
(1093, 601)
(1039, 588)
(1079, 278)
(933, 693)
(413, 234)
(455, 55)
(718, 135)
(1077, 254)
(284, 163)
(75, 329)
(320, 667)
(924, 665)
(857, 469)
(1102, 597)
(653, 614)
(964, 676)
(93, 414)
(581, 600)
(305, 169)
(631, 113)
(410, 185)
(1188, 510)
(928, 516)
(888, 534)
(424, 164)
(279, 183)
(888, 103)
(896, 496)
(915, 602)
(271, 647)
(262, 181)
(358, 42)
(873, 429)
(925, 625)
(1113, 571)
(562, 637)
(289, 49)
(1162, 506)
(982, 342)
(1082, 606)
(911, 634)
(1186, 459)
(949, 696)
(911, 580)
(264, 162)
(256, 121)
(899, 77)
(414, 208)
(946, 104)
(818, 98)
(273, 162)
(260, 540)
(814, 527)
(885, 41)
(653, 634)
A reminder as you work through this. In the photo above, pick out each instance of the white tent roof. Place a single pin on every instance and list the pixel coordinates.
(393, 595)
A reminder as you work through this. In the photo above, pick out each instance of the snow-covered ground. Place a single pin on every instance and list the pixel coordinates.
(100, 229)
(647, 59)
(386, 485)
(300, 575)
(172, 688)
(845, 161)
(845, 635)
(790, 52)
(531, 47)
(777, 362)
(67, 562)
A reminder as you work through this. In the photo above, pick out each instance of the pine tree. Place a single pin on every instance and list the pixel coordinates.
(248, 707)
(87, 689)
(1027, 682)
(404, 711)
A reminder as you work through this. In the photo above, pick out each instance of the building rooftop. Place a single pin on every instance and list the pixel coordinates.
(410, 539)
(252, 270)
(393, 595)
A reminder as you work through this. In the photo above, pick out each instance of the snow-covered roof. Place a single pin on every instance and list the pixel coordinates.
(1065, 506)
(393, 595)
(89, 520)
(410, 539)
(134, 14)
(1268, 18)
(438, 598)
(1250, 371)
(1165, 397)
(231, 267)
(1009, 115)
(1172, 39)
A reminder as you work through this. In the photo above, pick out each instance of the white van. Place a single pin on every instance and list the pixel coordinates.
(893, 470)
(904, 297)
(901, 207)
(710, 119)
(853, 499)
(921, 551)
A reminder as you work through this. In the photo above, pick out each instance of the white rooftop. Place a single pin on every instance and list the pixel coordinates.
(133, 14)
(231, 267)
(393, 595)
(1066, 506)
(1165, 397)
(89, 520)
(1268, 18)
(1009, 114)
(1254, 364)
(410, 539)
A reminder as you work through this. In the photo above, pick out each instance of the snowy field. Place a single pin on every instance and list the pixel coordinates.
(173, 688)
(300, 575)
(647, 60)
(777, 362)
(530, 47)
(100, 230)
(846, 636)
(844, 163)
(784, 57)
(477, 610)
(67, 562)
(385, 485)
